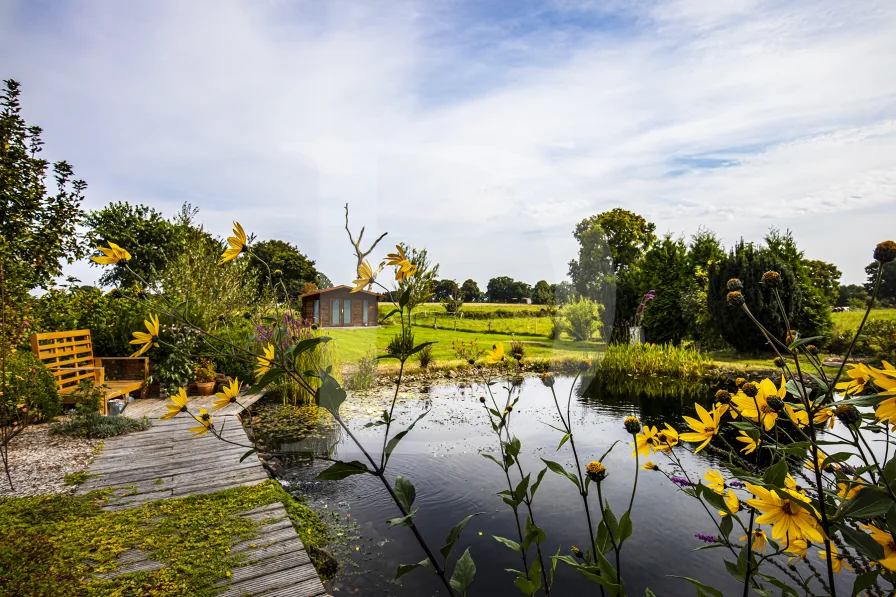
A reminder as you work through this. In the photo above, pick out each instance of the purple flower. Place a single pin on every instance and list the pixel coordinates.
(681, 482)
(707, 538)
(735, 483)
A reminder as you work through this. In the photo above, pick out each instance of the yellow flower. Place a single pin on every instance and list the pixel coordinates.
(646, 441)
(758, 542)
(237, 242)
(112, 254)
(366, 275)
(787, 517)
(179, 404)
(860, 375)
(757, 408)
(715, 481)
(649, 466)
(886, 410)
(848, 490)
(837, 562)
(496, 355)
(732, 502)
(825, 415)
(885, 540)
(831, 466)
(405, 269)
(596, 470)
(799, 417)
(147, 340)
(704, 428)
(752, 444)
(797, 549)
(264, 363)
(227, 395)
(668, 439)
(205, 423)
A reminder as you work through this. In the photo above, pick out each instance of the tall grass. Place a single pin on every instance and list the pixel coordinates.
(652, 360)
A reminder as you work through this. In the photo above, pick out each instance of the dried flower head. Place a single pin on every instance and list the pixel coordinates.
(812, 349)
(771, 278)
(780, 362)
(775, 403)
(735, 298)
(723, 396)
(548, 380)
(848, 414)
(584, 365)
(482, 399)
(596, 470)
(734, 284)
(632, 425)
(750, 389)
(739, 381)
(885, 252)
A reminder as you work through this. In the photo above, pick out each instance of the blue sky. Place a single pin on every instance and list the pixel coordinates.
(481, 130)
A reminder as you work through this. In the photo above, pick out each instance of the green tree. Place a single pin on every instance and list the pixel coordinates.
(323, 281)
(665, 269)
(563, 292)
(853, 292)
(445, 289)
(500, 289)
(582, 317)
(422, 284)
(152, 241)
(627, 235)
(826, 277)
(287, 266)
(887, 292)
(37, 229)
(471, 291)
(542, 294)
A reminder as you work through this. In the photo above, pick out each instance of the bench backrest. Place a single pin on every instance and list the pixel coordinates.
(60, 351)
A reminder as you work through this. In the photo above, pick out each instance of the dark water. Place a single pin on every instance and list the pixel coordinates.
(441, 456)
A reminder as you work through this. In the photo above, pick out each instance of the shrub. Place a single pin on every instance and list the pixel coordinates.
(30, 384)
(652, 359)
(582, 317)
(558, 324)
(517, 349)
(93, 425)
(365, 378)
(204, 370)
(425, 356)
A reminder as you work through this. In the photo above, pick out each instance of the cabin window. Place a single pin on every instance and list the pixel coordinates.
(317, 311)
(364, 316)
(334, 318)
(347, 312)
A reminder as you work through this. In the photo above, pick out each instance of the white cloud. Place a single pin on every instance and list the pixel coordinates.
(474, 137)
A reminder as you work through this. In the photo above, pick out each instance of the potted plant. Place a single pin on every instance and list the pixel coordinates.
(204, 371)
(636, 333)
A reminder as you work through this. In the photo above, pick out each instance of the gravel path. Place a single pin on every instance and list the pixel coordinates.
(39, 461)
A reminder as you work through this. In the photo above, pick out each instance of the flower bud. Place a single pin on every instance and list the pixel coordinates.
(848, 414)
(723, 396)
(548, 380)
(482, 399)
(735, 299)
(632, 425)
(812, 349)
(780, 363)
(471, 361)
(584, 365)
(772, 279)
(750, 389)
(739, 381)
(734, 285)
(596, 471)
(885, 252)
(776, 404)
(577, 552)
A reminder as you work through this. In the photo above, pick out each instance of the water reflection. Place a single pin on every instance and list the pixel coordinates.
(442, 456)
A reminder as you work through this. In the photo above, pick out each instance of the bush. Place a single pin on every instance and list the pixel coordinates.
(517, 349)
(204, 370)
(365, 378)
(582, 317)
(627, 360)
(93, 425)
(425, 356)
(30, 384)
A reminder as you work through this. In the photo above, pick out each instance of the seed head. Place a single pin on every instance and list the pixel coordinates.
(735, 298)
(632, 425)
(548, 380)
(482, 399)
(812, 349)
(780, 363)
(596, 471)
(584, 365)
(471, 361)
(885, 252)
(750, 389)
(776, 404)
(739, 381)
(734, 284)
(772, 279)
(847, 413)
(723, 396)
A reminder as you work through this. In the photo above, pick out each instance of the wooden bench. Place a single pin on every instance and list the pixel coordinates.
(69, 356)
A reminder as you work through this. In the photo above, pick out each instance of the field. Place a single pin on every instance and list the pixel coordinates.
(852, 319)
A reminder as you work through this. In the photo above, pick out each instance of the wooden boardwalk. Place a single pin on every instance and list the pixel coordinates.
(165, 461)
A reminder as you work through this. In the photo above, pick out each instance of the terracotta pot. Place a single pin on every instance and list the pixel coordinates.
(205, 388)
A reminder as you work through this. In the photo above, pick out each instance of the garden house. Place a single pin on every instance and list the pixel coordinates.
(339, 306)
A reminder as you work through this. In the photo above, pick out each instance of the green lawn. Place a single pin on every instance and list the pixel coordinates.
(852, 319)
(352, 344)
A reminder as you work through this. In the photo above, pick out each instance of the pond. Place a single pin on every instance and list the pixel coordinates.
(442, 457)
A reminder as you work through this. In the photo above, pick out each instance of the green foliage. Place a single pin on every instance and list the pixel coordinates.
(29, 386)
(542, 294)
(365, 377)
(425, 357)
(582, 317)
(852, 295)
(273, 424)
(204, 370)
(93, 425)
(37, 229)
(825, 277)
(887, 291)
(647, 360)
(471, 292)
(664, 268)
(63, 545)
(505, 289)
(627, 235)
(445, 289)
(295, 269)
(152, 241)
(421, 284)
(110, 320)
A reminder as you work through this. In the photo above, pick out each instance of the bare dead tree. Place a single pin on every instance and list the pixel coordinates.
(361, 255)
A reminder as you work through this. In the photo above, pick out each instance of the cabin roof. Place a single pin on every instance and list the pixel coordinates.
(340, 287)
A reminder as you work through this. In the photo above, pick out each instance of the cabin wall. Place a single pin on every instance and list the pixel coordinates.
(357, 308)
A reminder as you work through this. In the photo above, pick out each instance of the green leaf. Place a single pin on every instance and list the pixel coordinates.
(726, 525)
(405, 492)
(403, 520)
(330, 395)
(247, 454)
(744, 559)
(464, 571)
(511, 544)
(525, 586)
(562, 441)
(803, 341)
(867, 503)
(862, 542)
(557, 468)
(493, 459)
(270, 376)
(701, 586)
(454, 535)
(405, 568)
(389, 314)
(303, 346)
(776, 474)
(340, 470)
(863, 581)
(404, 299)
(872, 400)
(785, 588)
(538, 481)
(648, 593)
(611, 522)
(714, 499)
(610, 449)
(625, 528)
(393, 443)
(532, 533)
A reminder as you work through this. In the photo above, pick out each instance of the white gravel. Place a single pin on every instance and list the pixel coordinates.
(39, 461)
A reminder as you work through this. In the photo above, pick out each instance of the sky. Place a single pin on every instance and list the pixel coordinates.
(483, 131)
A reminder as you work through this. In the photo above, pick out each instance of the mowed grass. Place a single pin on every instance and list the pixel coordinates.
(852, 319)
(353, 344)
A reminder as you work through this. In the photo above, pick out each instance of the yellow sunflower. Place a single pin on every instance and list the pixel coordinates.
(366, 275)
(715, 481)
(264, 363)
(646, 441)
(703, 429)
(149, 338)
(179, 404)
(400, 260)
(758, 541)
(787, 517)
(732, 502)
(496, 354)
(238, 244)
(668, 439)
(825, 416)
(860, 375)
(227, 395)
(111, 255)
(837, 563)
(796, 549)
(885, 540)
(751, 444)
(848, 490)
(757, 408)
(205, 423)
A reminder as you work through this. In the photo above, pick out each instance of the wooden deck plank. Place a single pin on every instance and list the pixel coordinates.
(165, 462)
